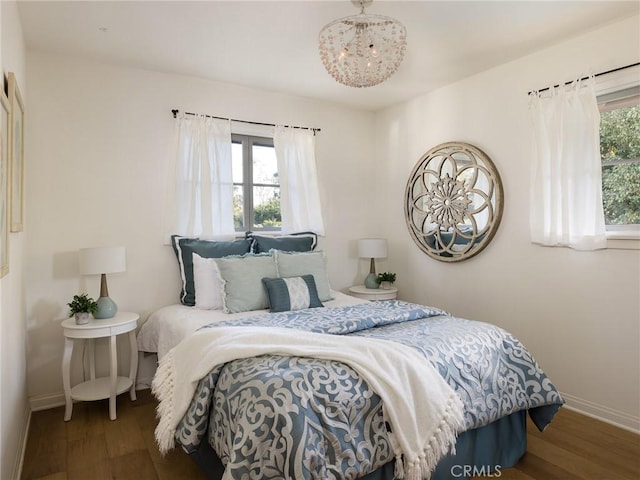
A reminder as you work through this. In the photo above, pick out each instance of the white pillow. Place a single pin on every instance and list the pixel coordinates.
(206, 280)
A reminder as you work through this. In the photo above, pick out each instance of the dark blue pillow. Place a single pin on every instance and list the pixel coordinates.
(294, 242)
(291, 293)
(184, 249)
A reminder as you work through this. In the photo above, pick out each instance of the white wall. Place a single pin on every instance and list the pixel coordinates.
(99, 140)
(14, 408)
(578, 312)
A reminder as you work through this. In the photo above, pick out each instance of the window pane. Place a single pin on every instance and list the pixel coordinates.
(620, 152)
(620, 133)
(256, 185)
(236, 162)
(265, 166)
(620, 187)
(266, 208)
(238, 207)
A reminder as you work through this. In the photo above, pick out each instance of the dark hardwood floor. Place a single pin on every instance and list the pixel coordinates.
(91, 447)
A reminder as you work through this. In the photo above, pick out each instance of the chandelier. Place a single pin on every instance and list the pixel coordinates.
(362, 50)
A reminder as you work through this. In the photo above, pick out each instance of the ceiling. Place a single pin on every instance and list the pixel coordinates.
(272, 45)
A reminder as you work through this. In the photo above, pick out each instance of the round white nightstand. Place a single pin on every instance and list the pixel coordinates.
(105, 387)
(373, 294)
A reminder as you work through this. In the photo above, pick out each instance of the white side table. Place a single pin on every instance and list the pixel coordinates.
(373, 294)
(104, 387)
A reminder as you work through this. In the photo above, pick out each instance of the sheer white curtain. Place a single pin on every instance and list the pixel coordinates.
(566, 184)
(299, 194)
(201, 190)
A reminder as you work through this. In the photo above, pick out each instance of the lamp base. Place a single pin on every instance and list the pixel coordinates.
(370, 281)
(107, 308)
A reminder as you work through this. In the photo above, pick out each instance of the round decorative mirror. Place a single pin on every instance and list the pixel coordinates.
(453, 201)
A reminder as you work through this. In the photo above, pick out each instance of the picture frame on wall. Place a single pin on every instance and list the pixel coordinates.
(5, 112)
(16, 155)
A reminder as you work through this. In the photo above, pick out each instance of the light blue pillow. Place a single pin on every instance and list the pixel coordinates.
(293, 264)
(242, 281)
(292, 293)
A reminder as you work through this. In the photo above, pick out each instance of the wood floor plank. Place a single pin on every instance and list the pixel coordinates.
(44, 457)
(136, 465)
(123, 435)
(608, 438)
(185, 469)
(54, 476)
(580, 466)
(46, 450)
(541, 469)
(150, 442)
(102, 472)
(86, 420)
(621, 461)
(49, 423)
(88, 458)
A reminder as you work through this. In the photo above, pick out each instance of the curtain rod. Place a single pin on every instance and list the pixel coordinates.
(315, 130)
(613, 70)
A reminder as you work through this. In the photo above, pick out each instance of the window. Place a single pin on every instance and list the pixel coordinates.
(620, 152)
(256, 189)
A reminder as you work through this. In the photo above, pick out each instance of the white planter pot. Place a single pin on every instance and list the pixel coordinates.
(82, 318)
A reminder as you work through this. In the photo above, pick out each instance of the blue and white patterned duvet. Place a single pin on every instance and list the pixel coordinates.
(288, 417)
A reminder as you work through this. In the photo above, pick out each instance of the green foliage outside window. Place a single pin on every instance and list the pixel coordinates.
(238, 215)
(267, 215)
(620, 140)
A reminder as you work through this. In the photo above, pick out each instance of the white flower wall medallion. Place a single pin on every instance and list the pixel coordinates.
(447, 201)
(453, 201)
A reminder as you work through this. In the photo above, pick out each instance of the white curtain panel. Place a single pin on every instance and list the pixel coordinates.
(299, 194)
(566, 184)
(203, 180)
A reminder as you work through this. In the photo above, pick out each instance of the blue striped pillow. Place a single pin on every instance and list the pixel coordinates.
(291, 293)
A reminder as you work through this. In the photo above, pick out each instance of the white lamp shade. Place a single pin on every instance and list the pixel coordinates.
(372, 248)
(99, 260)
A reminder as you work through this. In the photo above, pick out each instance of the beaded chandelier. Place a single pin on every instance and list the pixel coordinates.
(362, 50)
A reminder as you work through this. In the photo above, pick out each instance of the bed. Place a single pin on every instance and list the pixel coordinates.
(345, 389)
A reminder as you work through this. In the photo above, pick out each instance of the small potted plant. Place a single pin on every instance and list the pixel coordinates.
(82, 307)
(385, 280)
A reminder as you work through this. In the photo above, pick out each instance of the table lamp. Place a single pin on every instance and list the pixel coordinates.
(100, 261)
(372, 248)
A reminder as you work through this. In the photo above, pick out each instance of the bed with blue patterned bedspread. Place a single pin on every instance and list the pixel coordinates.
(276, 416)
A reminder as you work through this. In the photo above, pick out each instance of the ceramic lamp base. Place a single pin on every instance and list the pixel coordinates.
(370, 281)
(107, 308)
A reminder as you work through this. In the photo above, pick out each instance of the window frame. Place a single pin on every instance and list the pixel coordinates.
(248, 142)
(611, 91)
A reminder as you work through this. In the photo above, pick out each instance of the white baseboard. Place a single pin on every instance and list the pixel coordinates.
(45, 402)
(19, 461)
(600, 412)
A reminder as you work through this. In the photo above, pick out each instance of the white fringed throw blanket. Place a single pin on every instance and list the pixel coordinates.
(424, 412)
